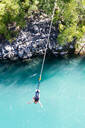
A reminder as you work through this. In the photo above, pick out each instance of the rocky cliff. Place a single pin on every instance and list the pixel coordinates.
(32, 40)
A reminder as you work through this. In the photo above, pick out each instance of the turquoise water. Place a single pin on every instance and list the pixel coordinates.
(62, 94)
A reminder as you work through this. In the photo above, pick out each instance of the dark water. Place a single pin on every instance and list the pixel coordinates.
(62, 94)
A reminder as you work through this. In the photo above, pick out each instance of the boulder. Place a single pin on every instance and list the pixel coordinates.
(8, 48)
(60, 48)
(71, 46)
(0, 55)
(63, 53)
(20, 53)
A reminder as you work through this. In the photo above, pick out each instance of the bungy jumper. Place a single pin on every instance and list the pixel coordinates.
(37, 92)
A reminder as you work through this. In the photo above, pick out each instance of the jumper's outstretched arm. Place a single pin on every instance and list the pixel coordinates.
(40, 104)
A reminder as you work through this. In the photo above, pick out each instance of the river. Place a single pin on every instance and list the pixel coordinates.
(62, 93)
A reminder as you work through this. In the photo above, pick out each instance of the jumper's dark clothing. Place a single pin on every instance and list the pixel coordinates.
(36, 97)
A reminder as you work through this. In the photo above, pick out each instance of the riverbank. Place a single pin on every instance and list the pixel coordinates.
(32, 40)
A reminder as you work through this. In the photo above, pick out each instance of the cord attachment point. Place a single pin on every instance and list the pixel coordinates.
(39, 78)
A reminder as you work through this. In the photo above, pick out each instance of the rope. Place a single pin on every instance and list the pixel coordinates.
(43, 62)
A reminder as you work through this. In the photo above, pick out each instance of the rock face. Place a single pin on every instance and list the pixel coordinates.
(32, 40)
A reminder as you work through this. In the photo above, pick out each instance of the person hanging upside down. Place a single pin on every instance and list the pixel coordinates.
(36, 98)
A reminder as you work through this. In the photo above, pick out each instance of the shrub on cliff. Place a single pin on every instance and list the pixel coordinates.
(70, 14)
(12, 13)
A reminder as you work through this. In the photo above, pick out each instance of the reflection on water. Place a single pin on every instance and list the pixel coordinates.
(62, 94)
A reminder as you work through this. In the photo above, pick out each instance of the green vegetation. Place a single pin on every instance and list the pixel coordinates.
(13, 13)
(69, 13)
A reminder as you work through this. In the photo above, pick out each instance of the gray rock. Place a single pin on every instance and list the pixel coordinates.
(41, 52)
(60, 48)
(63, 53)
(14, 58)
(36, 29)
(57, 48)
(8, 48)
(34, 45)
(55, 53)
(71, 47)
(33, 50)
(0, 55)
(20, 52)
(32, 41)
(4, 51)
(50, 46)
(24, 56)
(27, 50)
(4, 55)
(29, 55)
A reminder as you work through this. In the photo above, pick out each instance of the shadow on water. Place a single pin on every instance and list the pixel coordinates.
(18, 72)
(27, 72)
(82, 62)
